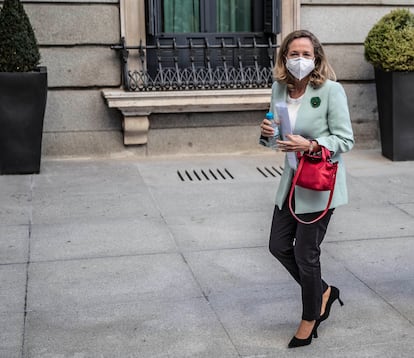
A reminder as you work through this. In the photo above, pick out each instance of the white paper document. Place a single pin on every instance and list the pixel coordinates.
(285, 128)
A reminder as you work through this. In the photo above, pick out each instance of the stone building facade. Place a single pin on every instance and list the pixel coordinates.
(88, 113)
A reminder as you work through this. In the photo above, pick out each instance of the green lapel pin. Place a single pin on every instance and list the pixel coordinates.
(315, 102)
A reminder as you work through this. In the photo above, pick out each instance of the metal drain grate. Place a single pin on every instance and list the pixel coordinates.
(270, 172)
(204, 174)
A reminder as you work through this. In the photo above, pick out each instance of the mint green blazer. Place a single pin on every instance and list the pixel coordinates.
(329, 124)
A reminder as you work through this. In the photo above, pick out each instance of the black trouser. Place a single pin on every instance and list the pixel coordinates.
(301, 256)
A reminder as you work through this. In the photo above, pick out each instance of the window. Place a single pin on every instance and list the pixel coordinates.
(212, 38)
(185, 16)
(189, 16)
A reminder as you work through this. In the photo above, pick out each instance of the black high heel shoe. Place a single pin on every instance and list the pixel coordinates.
(297, 342)
(333, 296)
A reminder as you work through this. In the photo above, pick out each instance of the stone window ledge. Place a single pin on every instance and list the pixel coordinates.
(137, 106)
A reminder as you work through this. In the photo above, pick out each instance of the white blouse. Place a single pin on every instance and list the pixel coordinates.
(293, 105)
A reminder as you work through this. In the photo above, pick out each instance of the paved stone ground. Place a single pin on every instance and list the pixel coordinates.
(123, 258)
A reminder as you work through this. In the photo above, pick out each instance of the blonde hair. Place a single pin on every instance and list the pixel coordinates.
(318, 76)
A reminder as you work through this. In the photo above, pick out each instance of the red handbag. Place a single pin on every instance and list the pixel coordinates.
(315, 172)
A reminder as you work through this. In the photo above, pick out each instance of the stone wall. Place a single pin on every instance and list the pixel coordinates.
(75, 38)
(342, 26)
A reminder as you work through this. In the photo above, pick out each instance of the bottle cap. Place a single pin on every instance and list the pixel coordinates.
(269, 115)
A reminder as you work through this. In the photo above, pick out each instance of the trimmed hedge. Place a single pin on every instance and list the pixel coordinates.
(389, 45)
(18, 46)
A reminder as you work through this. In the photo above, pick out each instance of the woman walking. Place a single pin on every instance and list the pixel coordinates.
(319, 116)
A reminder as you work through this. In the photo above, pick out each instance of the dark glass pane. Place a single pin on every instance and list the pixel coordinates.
(234, 15)
(209, 44)
(181, 16)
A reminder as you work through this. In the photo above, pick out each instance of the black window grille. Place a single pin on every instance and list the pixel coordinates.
(198, 65)
(181, 53)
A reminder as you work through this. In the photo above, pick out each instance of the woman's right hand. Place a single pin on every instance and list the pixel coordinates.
(266, 128)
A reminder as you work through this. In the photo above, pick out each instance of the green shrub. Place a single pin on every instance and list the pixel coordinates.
(389, 45)
(18, 47)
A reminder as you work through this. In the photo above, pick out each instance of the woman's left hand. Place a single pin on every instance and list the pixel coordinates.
(295, 143)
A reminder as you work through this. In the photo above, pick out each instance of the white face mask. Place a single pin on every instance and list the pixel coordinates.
(300, 67)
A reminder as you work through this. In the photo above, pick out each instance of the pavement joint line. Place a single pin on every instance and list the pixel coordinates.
(103, 257)
(124, 256)
(396, 205)
(13, 263)
(225, 249)
(132, 301)
(206, 298)
(180, 251)
(409, 237)
(23, 343)
(205, 295)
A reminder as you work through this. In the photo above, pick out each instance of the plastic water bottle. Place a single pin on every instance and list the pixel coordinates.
(276, 134)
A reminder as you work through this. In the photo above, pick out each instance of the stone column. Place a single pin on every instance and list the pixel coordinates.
(133, 28)
(135, 124)
(291, 17)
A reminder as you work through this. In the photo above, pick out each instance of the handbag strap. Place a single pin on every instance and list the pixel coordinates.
(292, 189)
(325, 155)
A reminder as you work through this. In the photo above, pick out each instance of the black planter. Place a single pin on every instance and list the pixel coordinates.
(395, 97)
(22, 107)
